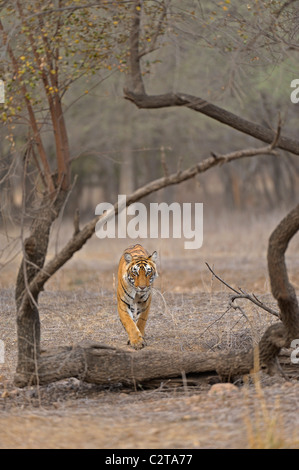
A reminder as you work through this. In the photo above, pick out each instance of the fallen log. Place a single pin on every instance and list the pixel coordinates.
(100, 364)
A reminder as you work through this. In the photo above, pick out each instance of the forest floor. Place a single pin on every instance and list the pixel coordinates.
(189, 313)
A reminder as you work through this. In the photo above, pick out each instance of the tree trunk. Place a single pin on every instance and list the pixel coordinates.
(34, 254)
(282, 289)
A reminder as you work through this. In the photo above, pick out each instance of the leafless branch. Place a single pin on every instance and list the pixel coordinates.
(158, 31)
(241, 294)
(137, 94)
(135, 68)
(282, 289)
(78, 240)
(277, 134)
(77, 221)
(285, 5)
(163, 162)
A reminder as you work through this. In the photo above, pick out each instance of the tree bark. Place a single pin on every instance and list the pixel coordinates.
(101, 364)
(34, 254)
(282, 289)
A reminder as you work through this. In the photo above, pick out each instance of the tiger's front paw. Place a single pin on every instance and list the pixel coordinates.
(138, 343)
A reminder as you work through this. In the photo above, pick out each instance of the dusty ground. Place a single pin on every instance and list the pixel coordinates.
(189, 312)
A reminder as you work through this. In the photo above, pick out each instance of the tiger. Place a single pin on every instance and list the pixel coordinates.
(137, 271)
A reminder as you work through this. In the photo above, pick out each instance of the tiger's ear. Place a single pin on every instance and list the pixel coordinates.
(154, 256)
(128, 257)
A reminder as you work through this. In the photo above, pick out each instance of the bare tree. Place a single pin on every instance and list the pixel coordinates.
(33, 35)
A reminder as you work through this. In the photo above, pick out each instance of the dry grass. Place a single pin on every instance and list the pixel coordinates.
(189, 312)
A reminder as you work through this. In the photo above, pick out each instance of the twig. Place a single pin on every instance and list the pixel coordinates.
(77, 221)
(241, 294)
(277, 134)
(221, 280)
(157, 33)
(237, 307)
(163, 162)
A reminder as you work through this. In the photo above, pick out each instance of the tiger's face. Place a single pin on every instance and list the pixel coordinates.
(141, 272)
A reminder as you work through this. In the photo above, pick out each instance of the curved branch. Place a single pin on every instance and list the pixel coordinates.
(215, 112)
(80, 238)
(137, 94)
(279, 334)
(282, 289)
